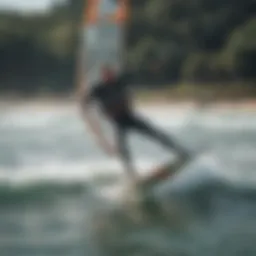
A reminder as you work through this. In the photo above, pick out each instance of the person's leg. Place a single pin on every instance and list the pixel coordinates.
(148, 129)
(124, 151)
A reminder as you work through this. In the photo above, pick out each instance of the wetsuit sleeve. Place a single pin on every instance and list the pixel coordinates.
(89, 97)
(126, 79)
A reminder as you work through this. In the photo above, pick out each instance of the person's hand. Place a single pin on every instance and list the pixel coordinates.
(109, 149)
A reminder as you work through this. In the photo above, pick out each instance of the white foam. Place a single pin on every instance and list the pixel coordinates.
(179, 117)
(164, 116)
(34, 117)
(68, 172)
(58, 170)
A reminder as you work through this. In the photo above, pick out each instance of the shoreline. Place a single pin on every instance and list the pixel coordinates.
(210, 95)
(67, 102)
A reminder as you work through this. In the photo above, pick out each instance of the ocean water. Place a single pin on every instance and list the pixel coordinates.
(59, 192)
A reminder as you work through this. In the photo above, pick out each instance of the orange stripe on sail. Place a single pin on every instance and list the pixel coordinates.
(91, 12)
(121, 13)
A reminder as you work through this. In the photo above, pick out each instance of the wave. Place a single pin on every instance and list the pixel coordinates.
(184, 215)
(166, 117)
(199, 192)
(38, 193)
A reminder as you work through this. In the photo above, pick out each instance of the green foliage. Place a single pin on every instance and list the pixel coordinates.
(239, 54)
(195, 67)
(38, 51)
(195, 40)
(192, 40)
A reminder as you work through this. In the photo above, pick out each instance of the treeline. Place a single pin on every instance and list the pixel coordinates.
(194, 40)
(38, 51)
(186, 40)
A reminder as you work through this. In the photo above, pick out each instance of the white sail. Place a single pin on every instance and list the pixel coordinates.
(102, 37)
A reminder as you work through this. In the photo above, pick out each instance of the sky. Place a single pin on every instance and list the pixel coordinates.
(26, 5)
(38, 5)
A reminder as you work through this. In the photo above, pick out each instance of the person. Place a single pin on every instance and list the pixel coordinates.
(112, 95)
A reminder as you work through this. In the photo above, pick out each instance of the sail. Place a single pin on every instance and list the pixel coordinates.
(102, 37)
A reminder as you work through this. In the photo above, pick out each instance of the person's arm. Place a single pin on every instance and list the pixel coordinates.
(94, 124)
(126, 77)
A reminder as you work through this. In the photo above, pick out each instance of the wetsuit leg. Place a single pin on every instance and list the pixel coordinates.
(148, 129)
(123, 148)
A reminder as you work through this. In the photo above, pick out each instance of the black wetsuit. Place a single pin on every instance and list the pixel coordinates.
(115, 102)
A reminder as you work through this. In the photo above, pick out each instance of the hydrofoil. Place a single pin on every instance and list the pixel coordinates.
(139, 194)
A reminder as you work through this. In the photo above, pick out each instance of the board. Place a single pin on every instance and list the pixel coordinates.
(162, 173)
(140, 194)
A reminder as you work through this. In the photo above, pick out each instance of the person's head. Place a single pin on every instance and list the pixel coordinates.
(107, 73)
